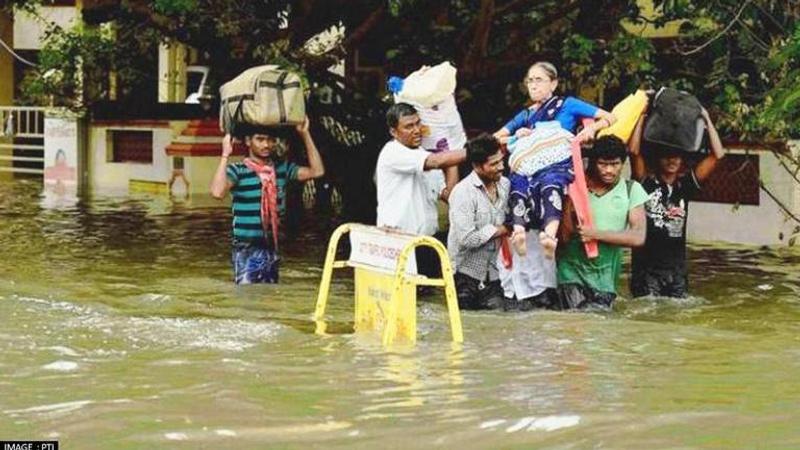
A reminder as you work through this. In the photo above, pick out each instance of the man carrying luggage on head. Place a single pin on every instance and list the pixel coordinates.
(659, 267)
(257, 186)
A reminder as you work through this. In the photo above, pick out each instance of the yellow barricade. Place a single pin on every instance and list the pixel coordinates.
(385, 281)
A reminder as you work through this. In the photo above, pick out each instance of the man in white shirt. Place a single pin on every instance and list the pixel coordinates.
(405, 202)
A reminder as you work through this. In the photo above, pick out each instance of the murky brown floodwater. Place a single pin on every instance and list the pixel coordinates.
(121, 329)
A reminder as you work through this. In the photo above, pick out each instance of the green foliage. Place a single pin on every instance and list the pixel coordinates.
(577, 55)
(59, 78)
(625, 62)
(174, 6)
(779, 114)
(741, 59)
(630, 57)
(395, 6)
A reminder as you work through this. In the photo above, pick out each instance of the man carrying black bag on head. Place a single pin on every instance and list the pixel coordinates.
(659, 267)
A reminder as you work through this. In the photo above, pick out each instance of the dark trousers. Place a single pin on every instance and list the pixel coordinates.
(671, 282)
(576, 296)
(474, 294)
(547, 299)
(428, 263)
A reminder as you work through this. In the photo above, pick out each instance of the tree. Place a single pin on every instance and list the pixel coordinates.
(743, 58)
(751, 49)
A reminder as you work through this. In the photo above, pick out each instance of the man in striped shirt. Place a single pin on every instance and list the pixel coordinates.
(258, 190)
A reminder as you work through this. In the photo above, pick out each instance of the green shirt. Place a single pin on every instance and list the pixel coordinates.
(610, 213)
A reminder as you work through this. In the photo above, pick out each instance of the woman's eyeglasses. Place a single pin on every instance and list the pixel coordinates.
(536, 80)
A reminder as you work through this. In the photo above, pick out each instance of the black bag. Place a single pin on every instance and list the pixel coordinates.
(675, 122)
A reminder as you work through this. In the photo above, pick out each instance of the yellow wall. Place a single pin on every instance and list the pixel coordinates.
(124, 178)
(112, 176)
(6, 60)
(172, 73)
(6, 77)
(200, 170)
(647, 30)
(29, 30)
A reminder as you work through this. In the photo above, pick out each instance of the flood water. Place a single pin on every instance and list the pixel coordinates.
(121, 329)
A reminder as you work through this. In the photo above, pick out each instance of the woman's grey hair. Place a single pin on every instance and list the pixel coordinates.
(548, 67)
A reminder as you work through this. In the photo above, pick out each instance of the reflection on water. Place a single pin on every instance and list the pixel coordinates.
(121, 327)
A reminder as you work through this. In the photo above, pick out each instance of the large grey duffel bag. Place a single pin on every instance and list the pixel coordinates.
(675, 122)
(263, 95)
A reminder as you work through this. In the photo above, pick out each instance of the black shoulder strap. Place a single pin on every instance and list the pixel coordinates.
(628, 186)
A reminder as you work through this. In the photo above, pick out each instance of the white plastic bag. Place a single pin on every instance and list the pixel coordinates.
(430, 90)
(444, 129)
(428, 86)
